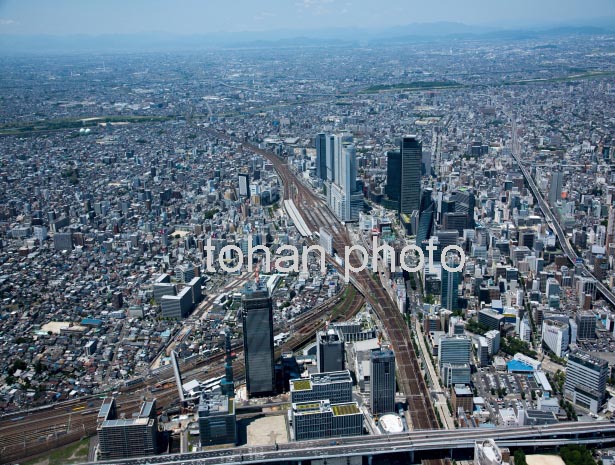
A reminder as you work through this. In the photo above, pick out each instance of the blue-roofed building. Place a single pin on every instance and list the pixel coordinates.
(516, 366)
(92, 322)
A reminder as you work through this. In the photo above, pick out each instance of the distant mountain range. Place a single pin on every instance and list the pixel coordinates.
(416, 32)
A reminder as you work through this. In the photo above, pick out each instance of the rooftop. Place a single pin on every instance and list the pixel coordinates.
(345, 409)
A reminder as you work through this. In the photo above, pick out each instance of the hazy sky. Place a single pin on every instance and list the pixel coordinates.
(204, 16)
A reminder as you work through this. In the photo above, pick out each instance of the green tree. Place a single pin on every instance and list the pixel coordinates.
(520, 457)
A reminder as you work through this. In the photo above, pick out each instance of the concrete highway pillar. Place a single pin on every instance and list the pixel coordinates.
(411, 456)
(370, 459)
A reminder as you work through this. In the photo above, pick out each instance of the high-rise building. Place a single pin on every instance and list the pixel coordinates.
(482, 352)
(556, 336)
(217, 420)
(493, 339)
(610, 230)
(555, 187)
(177, 306)
(453, 373)
(127, 437)
(410, 189)
(393, 186)
(586, 325)
(323, 419)
(586, 291)
(344, 199)
(333, 152)
(330, 351)
(586, 377)
(427, 217)
(465, 202)
(449, 288)
(335, 386)
(525, 330)
(63, 241)
(455, 350)
(257, 317)
(321, 156)
(244, 185)
(228, 383)
(490, 319)
(382, 379)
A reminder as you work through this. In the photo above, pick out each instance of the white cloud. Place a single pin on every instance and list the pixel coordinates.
(7, 22)
(317, 7)
(264, 15)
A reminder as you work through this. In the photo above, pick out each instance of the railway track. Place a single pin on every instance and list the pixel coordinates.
(23, 436)
(316, 214)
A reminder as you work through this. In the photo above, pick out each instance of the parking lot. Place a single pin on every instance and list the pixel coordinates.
(503, 390)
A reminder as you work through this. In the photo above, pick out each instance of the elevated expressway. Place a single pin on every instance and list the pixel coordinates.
(552, 220)
(446, 442)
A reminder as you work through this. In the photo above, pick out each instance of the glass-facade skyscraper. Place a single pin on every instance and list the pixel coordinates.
(410, 189)
(382, 389)
(321, 155)
(449, 289)
(257, 317)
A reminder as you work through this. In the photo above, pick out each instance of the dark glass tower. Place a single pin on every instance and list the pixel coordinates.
(321, 155)
(393, 187)
(228, 384)
(410, 193)
(382, 389)
(449, 290)
(257, 316)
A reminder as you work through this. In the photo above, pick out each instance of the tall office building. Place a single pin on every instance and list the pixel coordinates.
(449, 288)
(482, 352)
(321, 155)
(465, 202)
(555, 187)
(335, 386)
(217, 420)
(586, 377)
(333, 152)
(426, 216)
(344, 200)
(556, 336)
(323, 419)
(330, 351)
(455, 350)
(177, 306)
(410, 193)
(244, 185)
(586, 290)
(586, 325)
(228, 383)
(610, 230)
(127, 437)
(493, 339)
(393, 186)
(382, 379)
(257, 317)
(320, 143)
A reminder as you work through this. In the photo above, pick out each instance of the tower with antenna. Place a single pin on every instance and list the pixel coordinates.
(228, 384)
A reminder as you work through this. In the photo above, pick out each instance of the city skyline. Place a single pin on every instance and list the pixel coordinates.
(67, 17)
(231, 247)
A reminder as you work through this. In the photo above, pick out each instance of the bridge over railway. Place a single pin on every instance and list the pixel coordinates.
(440, 442)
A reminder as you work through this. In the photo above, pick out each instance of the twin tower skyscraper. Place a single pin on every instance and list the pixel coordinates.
(336, 166)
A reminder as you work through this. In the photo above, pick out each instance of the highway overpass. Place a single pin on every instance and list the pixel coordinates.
(554, 224)
(443, 442)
